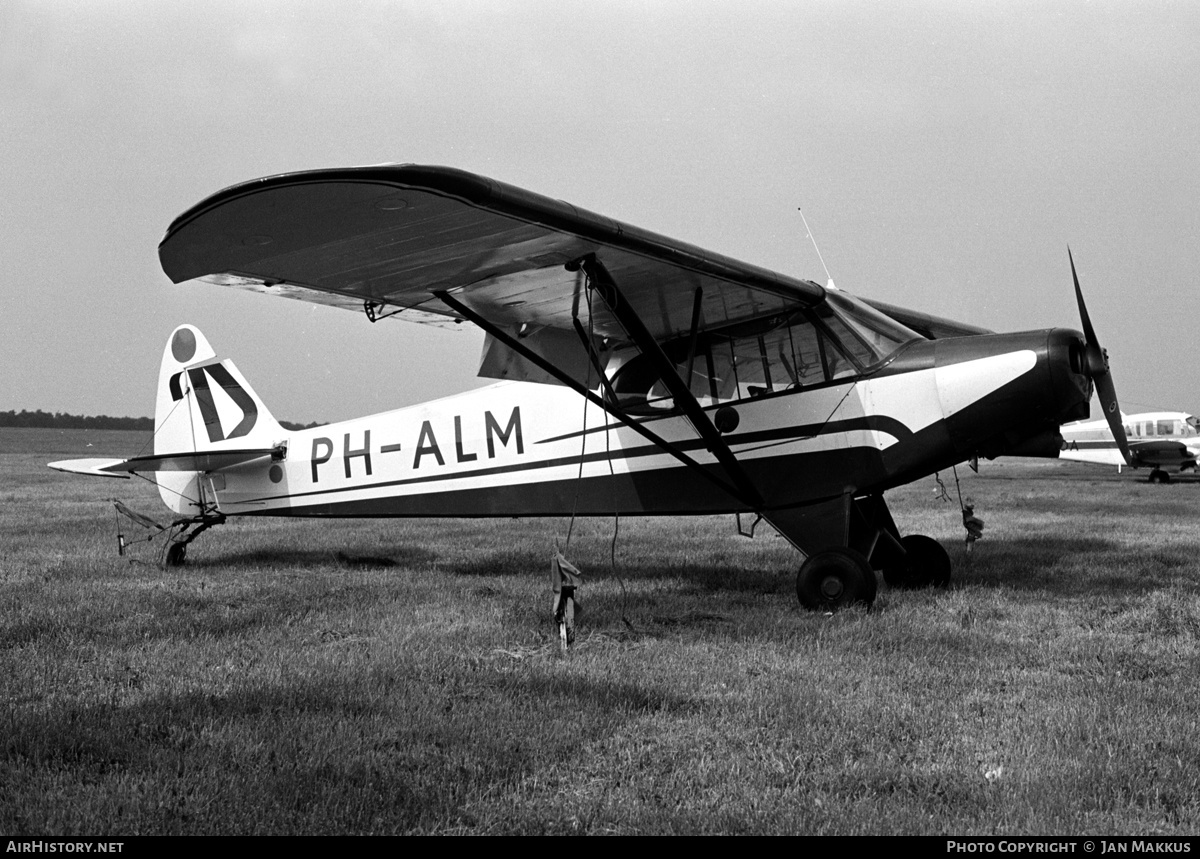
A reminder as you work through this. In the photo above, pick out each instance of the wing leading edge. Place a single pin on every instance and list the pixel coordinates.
(389, 237)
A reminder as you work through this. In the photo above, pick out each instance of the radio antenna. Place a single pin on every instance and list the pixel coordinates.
(813, 239)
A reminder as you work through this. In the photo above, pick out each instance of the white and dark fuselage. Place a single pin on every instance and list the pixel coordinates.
(804, 428)
(526, 449)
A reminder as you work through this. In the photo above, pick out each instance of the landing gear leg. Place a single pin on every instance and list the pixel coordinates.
(846, 540)
(840, 536)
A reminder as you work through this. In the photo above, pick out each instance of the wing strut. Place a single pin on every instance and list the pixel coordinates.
(609, 407)
(600, 280)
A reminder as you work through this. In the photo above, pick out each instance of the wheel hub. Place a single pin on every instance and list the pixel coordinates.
(832, 587)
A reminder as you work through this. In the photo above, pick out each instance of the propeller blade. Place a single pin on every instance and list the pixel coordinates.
(1097, 367)
(1106, 392)
(1089, 333)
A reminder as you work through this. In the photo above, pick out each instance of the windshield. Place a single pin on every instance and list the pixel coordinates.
(878, 335)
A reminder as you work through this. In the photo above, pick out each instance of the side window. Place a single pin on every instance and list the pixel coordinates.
(747, 368)
(722, 370)
(794, 354)
(638, 388)
(640, 391)
(1166, 427)
(747, 361)
(703, 382)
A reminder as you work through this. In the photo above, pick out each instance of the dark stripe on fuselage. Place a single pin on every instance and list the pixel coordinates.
(879, 423)
(788, 480)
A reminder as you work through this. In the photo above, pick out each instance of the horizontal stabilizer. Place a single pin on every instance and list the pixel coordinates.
(91, 467)
(207, 460)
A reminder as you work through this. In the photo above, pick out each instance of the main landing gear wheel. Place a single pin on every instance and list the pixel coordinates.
(926, 563)
(835, 579)
(1159, 476)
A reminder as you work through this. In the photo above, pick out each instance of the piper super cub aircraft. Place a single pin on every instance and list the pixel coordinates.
(711, 385)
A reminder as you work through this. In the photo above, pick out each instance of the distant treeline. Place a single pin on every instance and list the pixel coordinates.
(59, 420)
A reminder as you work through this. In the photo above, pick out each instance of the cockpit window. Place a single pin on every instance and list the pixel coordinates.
(840, 339)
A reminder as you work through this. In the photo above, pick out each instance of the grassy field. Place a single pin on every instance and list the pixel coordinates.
(403, 676)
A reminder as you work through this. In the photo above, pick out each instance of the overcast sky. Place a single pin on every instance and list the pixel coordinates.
(944, 153)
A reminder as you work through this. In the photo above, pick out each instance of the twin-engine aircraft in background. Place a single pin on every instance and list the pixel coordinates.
(1157, 440)
(643, 376)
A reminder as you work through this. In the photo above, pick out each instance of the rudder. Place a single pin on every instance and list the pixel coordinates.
(203, 404)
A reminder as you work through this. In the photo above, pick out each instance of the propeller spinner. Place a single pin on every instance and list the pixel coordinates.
(1098, 370)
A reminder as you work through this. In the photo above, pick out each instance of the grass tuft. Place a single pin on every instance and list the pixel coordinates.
(405, 676)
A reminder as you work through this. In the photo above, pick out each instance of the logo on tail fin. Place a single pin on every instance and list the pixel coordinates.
(199, 377)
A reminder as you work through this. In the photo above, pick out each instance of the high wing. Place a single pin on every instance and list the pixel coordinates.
(392, 240)
(387, 238)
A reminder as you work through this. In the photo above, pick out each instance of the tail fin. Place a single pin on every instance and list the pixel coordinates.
(203, 404)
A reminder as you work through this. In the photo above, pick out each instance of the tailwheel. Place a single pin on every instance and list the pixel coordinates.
(176, 548)
(834, 579)
(925, 563)
(176, 552)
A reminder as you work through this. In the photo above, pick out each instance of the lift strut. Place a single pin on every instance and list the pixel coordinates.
(609, 405)
(601, 281)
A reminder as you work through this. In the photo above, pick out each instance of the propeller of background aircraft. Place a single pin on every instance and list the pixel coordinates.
(1097, 368)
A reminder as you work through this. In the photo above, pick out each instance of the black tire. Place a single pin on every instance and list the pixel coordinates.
(835, 579)
(1159, 476)
(930, 557)
(926, 563)
(896, 575)
(176, 552)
